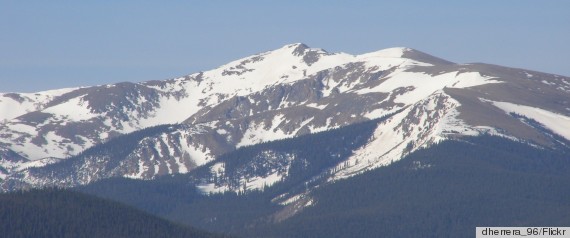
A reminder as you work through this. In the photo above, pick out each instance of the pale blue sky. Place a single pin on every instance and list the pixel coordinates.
(54, 44)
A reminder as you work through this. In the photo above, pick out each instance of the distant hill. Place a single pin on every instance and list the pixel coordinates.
(62, 213)
(442, 191)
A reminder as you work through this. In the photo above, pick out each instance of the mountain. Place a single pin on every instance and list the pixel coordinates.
(442, 191)
(284, 170)
(60, 213)
(77, 136)
(301, 142)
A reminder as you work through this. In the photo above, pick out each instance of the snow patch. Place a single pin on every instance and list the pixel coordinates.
(258, 182)
(209, 188)
(426, 122)
(559, 124)
(139, 174)
(290, 200)
(417, 165)
(200, 154)
(256, 134)
(10, 108)
(380, 112)
(75, 110)
(317, 106)
(424, 85)
(548, 83)
(394, 52)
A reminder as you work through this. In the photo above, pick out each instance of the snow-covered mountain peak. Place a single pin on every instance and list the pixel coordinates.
(13, 105)
(401, 57)
(295, 45)
(301, 50)
(296, 61)
(394, 52)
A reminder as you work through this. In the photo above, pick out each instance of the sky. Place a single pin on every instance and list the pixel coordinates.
(56, 44)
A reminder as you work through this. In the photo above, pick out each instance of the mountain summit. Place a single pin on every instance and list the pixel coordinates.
(75, 136)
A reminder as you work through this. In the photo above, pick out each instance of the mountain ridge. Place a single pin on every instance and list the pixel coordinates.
(65, 213)
(285, 93)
